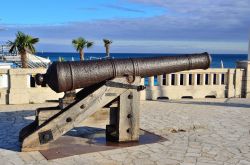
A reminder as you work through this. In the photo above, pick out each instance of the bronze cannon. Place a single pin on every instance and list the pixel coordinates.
(65, 76)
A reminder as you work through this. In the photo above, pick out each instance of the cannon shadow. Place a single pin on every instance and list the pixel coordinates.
(11, 123)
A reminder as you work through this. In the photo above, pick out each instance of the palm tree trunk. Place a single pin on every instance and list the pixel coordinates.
(107, 51)
(81, 55)
(24, 59)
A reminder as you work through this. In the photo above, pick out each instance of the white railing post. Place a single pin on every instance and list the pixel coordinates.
(203, 78)
(186, 79)
(160, 80)
(238, 82)
(225, 78)
(142, 81)
(153, 93)
(143, 93)
(211, 79)
(169, 79)
(151, 81)
(177, 79)
(218, 79)
(230, 83)
(194, 79)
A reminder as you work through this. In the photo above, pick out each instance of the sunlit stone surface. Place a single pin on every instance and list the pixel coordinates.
(201, 132)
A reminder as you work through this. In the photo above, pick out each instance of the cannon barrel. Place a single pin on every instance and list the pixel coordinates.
(65, 76)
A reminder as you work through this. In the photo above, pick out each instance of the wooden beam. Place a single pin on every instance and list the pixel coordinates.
(64, 121)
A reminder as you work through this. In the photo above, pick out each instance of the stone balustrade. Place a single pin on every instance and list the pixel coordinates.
(17, 86)
(216, 83)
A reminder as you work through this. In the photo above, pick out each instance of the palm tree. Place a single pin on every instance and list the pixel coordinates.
(23, 44)
(80, 43)
(107, 44)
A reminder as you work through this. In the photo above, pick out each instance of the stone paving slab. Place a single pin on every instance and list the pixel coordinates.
(200, 132)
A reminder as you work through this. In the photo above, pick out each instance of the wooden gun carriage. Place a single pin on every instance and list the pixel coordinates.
(112, 83)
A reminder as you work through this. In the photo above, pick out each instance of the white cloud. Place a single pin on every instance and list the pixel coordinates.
(150, 46)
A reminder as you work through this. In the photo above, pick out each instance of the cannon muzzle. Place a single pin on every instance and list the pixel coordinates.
(65, 76)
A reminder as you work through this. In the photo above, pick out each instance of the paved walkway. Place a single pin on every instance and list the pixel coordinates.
(199, 132)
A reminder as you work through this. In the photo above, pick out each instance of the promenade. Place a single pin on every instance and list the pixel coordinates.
(198, 132)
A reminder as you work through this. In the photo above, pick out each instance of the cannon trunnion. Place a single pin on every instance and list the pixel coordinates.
(107, 83)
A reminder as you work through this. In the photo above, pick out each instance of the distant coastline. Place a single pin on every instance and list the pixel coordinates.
(229, 60)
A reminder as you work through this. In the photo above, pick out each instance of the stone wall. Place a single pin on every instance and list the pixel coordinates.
(245, 78)
(17, 85)
(216, 83)
(21, 88)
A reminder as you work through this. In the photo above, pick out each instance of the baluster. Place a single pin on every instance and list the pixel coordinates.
(177, 79)
(203, 78)
(218, 79)
(160, 80)
(194, 79)
(168, 79)
(186, 79)
(211, 79)
(225, 78)
(142, 81)
(151, 81)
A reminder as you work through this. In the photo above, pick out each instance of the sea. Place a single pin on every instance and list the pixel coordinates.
(218, 60)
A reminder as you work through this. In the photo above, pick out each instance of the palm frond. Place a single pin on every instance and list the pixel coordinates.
(90, 44)
(12, 46)
(107, 41)
(80, 43)
(31, 49)
(33, 40)
(23, 43)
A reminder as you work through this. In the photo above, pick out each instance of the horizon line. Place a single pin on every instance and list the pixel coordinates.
(144, 53)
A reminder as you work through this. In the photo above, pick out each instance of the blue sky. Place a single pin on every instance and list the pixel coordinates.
(47, 12)
(159, 26)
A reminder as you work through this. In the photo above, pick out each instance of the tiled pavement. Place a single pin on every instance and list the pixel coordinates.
(201, 132)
